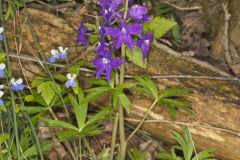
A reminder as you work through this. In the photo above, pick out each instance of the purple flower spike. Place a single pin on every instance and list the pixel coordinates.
(144, 43)
(2, 70)
(123, 34)
(105, 63)
(138, 12)
(82, 37)
(17, 85)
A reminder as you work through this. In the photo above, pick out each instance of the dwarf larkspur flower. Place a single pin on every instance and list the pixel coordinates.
(138, 12)
(1, 94)
(1, 35)
(105, 63)
(82, 35)
(71, 80)
(144, 43)
(17, 85)
(2, 70)
(123, 34)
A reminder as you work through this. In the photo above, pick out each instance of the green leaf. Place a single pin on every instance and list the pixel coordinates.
(148, 85)
(33, 110)
(159, 25)
(48, 91)
(80, 111)
(37, 81)
(95, 93)
(3, 137)
(32, 151)
(165, 156)
(136, 57)
(29, 98)
(59, 124)
(174, 92)
(124, 101)
(66, 135)
(137, 155)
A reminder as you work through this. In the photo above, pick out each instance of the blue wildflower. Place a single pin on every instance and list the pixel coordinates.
(17, 85)
(123, 34)
(71, 80)
(2, 70)
(62, 52)
(105, 63)
(55, 56)
(1, 35)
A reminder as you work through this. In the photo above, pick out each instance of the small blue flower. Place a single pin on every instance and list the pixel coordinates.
(54, 57)
(62, 52)
(17, 85)
(71, 81)
(1, 35)
(2, 70)
(1, 94)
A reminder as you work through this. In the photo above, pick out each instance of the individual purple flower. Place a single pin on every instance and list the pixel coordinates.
(62, 52)
(17, 85)
(1, 94)
(123, 34)
(144, 43)
(71, 81)
(2, 70)
(105, 63)
(1, 35)
(82, 35)
(138, 12)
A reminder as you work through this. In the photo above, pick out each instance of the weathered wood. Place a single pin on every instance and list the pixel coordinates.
(214, 103)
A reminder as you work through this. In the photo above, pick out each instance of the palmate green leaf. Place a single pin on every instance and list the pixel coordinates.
(174, 92)
(148, 85)
(66, 135)
(159, 25)
(48, 91)
(59, 124)
(124, 101)
(166, 156)
(90, 130)
(177, 103)
(80, 110)
(135, 57)
(95, 93)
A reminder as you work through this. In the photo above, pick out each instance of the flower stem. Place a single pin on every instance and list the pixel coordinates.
(143, 119)
(114, 135)
(123, 142)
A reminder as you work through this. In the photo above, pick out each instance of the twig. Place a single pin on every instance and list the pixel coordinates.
(186, 124)
(163, 76)
(226, 36)
(183, 8)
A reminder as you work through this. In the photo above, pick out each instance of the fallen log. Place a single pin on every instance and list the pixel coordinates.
(215, 103)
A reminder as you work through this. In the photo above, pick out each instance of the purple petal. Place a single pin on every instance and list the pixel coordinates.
(118, 42)
(97, 62)
(2, 73)
(129, 42)
(114, 32)
(116, 63)
(135, 28)
(108, 72)
(145, 50)
(1, 102)
(137, 12)
(108, 54)
(52, 59)
(100, 70)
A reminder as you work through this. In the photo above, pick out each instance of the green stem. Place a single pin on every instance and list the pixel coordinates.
(143, 119)
(114, 135)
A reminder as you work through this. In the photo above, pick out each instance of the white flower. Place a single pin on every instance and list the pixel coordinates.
(2, 66)
(18, 81)
(1, 94)
(62, 50)
(71, 76)
(1, 87)
(1, 30)
(54, 52)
